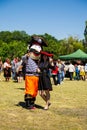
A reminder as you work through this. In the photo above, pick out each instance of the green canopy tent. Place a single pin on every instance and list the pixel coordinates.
(78, 55)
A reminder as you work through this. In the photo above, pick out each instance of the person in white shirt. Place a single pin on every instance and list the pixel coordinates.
(71, 69)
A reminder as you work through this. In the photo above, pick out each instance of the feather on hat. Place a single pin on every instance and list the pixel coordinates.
(46, 53)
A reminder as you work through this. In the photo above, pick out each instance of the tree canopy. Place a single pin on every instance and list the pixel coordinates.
(14, 44)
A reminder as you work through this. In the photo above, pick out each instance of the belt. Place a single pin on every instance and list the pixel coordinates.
(31, 72)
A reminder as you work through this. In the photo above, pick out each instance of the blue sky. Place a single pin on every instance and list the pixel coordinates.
(59, 18)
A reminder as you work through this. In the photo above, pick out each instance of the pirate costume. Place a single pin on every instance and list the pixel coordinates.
(32, 71)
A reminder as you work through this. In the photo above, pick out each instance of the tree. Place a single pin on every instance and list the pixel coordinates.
(53, 45)
(5, 36)
(14, 44)
(85, 34)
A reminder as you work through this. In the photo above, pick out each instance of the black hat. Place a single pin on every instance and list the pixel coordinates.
(37, 40)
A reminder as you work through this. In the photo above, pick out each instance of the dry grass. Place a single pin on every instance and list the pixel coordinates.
(67, 112)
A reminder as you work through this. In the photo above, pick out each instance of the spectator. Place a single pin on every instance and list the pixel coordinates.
(7, 69)
(55, 73)
(59, 76)
(82, 73)
(76, 72)
(62, 70)
(85, 71)
(1, 66)
(71, 70)
(13, 63)
(19, 71)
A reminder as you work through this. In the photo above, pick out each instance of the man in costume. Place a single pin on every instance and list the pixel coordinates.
(32, 70)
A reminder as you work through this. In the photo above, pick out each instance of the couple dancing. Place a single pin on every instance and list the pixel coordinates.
(37, 74)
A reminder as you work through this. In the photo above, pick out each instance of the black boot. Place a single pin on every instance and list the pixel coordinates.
(29, 101)
(33, 102)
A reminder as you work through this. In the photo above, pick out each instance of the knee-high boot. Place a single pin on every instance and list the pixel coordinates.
(29, 101)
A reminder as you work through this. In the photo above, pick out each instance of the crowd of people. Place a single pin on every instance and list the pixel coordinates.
(47, 69)
(12, 70)
(37, 67)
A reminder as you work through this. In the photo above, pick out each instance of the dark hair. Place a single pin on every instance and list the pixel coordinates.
(42, 59)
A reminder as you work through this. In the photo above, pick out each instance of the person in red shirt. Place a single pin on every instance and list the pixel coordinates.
(54, 73)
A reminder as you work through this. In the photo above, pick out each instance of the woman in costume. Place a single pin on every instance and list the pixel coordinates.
(45, 85)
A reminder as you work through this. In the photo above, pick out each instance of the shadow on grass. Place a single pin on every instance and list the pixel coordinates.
(38, 106)
(20, 88)
(22, 104)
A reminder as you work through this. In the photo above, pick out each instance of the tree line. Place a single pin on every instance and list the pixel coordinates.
(14, 44)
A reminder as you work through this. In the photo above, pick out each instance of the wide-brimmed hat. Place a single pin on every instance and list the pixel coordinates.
(38, 41)
(46, 53)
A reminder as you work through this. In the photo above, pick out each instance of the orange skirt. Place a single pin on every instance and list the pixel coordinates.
(31, 85)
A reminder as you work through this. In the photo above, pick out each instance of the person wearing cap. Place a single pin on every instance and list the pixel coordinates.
(45, 85)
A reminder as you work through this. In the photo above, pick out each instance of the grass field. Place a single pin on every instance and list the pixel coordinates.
(68, 110)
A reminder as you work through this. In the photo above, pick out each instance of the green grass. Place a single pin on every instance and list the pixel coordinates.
(67, 112)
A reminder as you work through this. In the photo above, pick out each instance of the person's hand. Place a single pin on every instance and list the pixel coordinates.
(38, 70)
(51, 61)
